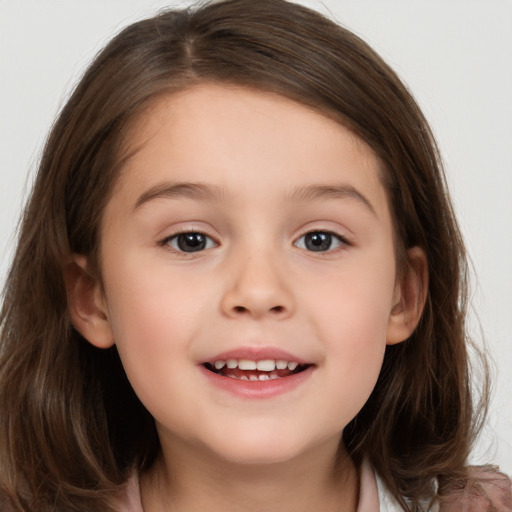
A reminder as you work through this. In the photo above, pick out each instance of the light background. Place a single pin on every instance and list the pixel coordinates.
(455, 55)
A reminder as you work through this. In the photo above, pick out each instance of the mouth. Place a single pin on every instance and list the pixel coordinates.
(255, 370)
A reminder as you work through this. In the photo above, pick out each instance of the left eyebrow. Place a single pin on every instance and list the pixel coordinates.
(316, 192)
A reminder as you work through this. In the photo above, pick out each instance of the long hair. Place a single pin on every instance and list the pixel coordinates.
(71, 427)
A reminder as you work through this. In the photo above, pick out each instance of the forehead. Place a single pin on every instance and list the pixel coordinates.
(242, 138)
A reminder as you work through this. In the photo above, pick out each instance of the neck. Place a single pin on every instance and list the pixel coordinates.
(323, 481)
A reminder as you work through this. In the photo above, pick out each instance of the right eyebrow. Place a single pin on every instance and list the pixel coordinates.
(171, 190)
(338, 191)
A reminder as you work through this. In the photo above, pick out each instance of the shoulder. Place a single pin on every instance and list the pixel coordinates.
(486, 490)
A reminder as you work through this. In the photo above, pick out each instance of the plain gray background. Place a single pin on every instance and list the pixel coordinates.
(456, 57)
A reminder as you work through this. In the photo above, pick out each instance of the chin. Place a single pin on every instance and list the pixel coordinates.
(255, 448)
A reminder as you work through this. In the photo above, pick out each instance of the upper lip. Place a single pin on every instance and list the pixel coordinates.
(256, 354)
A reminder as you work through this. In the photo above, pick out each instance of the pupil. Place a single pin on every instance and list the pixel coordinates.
(191, 242)
(318, 241)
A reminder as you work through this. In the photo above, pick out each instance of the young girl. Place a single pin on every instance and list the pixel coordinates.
(239, 284)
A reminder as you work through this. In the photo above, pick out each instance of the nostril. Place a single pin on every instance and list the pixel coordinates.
(258, 311)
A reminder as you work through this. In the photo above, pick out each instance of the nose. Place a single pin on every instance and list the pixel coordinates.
(257, 288)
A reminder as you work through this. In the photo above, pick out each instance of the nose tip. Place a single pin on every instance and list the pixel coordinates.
(257, 290)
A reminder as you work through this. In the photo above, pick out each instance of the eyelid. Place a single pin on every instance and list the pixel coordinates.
(326, 226)
(164, 242)
(344, 241)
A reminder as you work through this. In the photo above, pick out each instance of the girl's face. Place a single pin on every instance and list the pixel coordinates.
(248, 231)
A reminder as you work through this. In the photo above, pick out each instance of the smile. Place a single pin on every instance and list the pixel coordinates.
(256, 373)
(255, 370)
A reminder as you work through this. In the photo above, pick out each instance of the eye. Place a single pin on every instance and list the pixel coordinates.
(320, 241)
(190, 242)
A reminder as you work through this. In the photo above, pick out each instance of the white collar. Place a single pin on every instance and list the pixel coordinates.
(374, 495)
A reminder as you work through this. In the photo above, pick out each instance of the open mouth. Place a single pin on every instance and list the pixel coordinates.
(253, 370)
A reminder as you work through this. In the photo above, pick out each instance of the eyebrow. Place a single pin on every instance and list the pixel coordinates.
(207, 192)
(167, 190)
(318, 192)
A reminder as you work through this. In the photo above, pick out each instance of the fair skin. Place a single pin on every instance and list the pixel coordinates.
(289, 256)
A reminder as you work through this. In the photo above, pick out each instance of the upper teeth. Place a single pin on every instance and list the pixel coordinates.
(264, 365)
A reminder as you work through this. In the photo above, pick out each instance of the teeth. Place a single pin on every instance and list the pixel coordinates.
(267, 365)
(255, 378)
(264, 365)
(246, 364)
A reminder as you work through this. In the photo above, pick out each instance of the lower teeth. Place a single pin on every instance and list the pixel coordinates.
(254, 378)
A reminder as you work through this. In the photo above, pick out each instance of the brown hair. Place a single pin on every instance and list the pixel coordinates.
(71, 427)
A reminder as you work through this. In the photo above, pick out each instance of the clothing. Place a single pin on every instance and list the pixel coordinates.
(131, 501)
(374, 497)
(488, 491)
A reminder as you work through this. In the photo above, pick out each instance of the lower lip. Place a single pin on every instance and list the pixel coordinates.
(260, 389)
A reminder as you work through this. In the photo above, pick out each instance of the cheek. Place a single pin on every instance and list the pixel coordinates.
(350, 314)
(355, 345)
(153, 320)
(352, 307)
(149, 302)
(356, 342)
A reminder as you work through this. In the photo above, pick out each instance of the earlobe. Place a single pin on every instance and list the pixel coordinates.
(87, 306)
(410, 297)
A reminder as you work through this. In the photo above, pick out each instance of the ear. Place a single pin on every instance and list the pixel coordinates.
(410, 297)
(87, 305)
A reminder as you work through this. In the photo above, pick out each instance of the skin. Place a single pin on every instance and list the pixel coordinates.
(256, 284)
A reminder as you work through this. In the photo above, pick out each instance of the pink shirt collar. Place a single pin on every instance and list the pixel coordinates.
(369, 500)
(374, 497)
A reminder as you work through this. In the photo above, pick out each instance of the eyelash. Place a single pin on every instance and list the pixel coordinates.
(210, 243)
(167, 241)
(330, 236)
